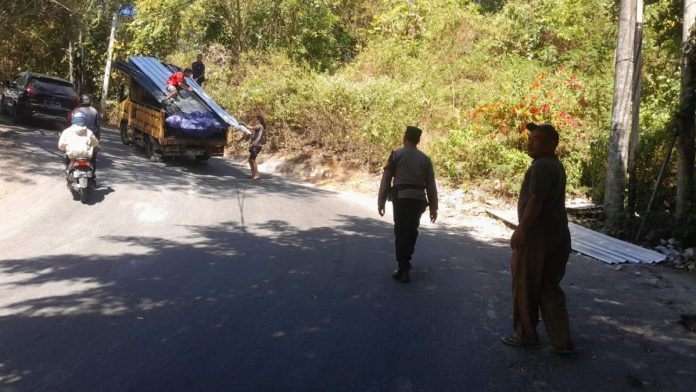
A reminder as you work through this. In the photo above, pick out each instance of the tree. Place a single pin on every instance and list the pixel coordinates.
(617, 164)
(685, 146)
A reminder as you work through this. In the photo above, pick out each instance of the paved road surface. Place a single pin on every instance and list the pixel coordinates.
(189, 277)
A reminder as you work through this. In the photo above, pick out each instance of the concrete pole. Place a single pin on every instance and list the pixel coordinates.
(617, 164)
(107, 69)
(71, 71)
(635, 122)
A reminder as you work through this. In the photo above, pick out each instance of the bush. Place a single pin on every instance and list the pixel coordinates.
(470, 80)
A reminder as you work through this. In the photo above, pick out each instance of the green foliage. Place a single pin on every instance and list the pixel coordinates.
(35, 35)
(466, 156)
(318, 32)
(580, 33)
(310, 30)
(343, 78)
(160, 26)
(434, 64)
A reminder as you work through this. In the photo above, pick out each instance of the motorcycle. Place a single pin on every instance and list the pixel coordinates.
(81, 178)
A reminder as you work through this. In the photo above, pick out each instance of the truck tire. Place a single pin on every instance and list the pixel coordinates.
(124, 133)
(149, 147)
(202, 158)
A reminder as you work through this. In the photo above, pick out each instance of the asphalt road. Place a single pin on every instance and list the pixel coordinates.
(184, 276)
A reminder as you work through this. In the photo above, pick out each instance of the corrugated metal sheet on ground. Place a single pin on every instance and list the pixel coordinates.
(197, 101)
(597, 245)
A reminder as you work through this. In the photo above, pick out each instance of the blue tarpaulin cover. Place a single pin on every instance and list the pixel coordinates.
(195, 124)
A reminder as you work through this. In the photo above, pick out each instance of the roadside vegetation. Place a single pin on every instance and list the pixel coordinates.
(339, 81)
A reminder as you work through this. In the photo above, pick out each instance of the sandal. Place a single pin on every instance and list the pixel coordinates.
(514, 341)
(561, 351)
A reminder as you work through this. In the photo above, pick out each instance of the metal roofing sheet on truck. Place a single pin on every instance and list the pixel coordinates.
(152, 75)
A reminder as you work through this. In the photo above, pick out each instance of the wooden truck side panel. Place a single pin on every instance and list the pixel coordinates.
(145, 126)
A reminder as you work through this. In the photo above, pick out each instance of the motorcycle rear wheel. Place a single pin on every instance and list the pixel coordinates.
(83, 195)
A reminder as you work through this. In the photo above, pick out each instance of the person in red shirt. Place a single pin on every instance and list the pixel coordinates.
(176, 82)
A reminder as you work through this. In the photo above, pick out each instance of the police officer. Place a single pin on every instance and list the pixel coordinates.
(412, 191)
(91, 114)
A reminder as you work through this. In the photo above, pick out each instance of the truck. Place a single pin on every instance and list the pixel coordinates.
(193, 125)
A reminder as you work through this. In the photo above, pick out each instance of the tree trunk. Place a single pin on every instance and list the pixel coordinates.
(617, 164)
(240, 30)
(685, 146)
(635, 121)
(107, 69)
(234, 13)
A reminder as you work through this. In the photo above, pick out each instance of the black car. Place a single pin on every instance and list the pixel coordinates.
(36, 94)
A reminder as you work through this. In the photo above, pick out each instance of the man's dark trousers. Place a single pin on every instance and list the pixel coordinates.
(407, 214)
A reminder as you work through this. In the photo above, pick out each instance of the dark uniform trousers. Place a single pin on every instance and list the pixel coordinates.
(407, 214)
(537, 270)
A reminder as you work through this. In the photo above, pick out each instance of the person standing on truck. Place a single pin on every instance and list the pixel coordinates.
(258, 139)
(176, 82)
(198, 69)
(91, 114)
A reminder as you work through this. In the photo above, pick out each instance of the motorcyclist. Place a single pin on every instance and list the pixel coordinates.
(78, 141)
(92, 115)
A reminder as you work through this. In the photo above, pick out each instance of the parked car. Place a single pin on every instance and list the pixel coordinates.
(36, 94)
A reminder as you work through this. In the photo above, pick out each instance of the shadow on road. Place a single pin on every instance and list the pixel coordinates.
(275, 307)
(270, 308)
(98, 195)
(39, 156)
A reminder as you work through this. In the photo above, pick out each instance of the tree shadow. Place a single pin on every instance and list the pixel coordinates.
(273, 306)
(117, 163)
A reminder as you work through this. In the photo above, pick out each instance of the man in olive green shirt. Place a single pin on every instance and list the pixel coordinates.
(540, 248)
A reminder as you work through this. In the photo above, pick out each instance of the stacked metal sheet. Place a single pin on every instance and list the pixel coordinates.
(152, 75)
(597, 245)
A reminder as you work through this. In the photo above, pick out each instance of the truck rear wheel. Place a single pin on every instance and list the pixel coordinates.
(149, 147)
(124, 133)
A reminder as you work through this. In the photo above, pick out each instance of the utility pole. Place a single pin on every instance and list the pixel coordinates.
(71, 72)
(635, 122)
(685, 141)
(81, 64)
(617, 164)
(110, 53)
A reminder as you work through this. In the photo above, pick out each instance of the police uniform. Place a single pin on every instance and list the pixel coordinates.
(412, 191)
